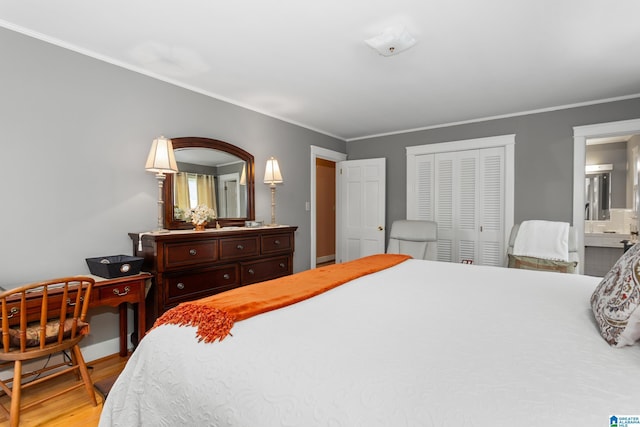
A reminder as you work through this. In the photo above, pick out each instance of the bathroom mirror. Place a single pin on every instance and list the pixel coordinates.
(214, 173)
(597, 196)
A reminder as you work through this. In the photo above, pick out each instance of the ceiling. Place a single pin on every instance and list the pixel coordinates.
(205, 157)
(307, 62)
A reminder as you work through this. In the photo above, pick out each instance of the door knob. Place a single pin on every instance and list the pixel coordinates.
(380, 228)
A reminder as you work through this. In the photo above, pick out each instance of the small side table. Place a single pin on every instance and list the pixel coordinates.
(117, 293)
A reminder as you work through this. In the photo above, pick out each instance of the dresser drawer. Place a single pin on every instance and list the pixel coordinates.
(239, 247)
(34, 307)
(187, 286)
(187, 265)
(118, 293)
(190, 253)
(273, 243)
(264, 269)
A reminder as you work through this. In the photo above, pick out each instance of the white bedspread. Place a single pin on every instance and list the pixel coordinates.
(420, 344)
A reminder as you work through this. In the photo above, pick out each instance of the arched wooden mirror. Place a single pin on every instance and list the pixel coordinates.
(214, 173)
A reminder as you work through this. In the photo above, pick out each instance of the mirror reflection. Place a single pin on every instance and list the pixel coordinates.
(597, 195)
(212, 173)
(212, 178)
(611, 183)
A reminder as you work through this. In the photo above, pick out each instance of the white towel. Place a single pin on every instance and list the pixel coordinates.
(543, 239)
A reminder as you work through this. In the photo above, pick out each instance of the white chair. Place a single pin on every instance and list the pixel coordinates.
(574, 256)
(413, 237)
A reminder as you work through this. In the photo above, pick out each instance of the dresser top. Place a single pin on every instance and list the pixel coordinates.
(213, 232)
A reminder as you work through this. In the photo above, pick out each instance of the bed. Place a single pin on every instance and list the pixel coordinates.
(421, 343)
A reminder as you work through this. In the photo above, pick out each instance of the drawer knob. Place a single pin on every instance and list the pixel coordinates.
(193, 252)
(276, 242)
(282, 265)
(180, 286)
(240, 247)
(226, 276)
(251, 271)
(127, 289)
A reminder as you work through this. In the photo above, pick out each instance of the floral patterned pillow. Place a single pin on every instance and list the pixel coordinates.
(616, 301)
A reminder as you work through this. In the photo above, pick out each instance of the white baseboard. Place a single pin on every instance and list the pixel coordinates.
(102, 349)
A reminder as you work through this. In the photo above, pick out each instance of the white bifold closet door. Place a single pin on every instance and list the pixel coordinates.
(463, 191)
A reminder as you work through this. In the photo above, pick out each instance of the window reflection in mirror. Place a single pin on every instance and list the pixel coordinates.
(209, 177)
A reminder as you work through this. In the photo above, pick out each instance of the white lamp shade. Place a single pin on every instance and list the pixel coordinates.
(161, 158)
(272, 173)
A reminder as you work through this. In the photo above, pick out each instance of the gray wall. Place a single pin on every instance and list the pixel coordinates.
(75, 135)
(543, 156)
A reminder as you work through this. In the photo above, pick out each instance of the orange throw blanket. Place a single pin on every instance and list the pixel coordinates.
(214, 316)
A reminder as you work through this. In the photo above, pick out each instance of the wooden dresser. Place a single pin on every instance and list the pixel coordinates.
(188, 265)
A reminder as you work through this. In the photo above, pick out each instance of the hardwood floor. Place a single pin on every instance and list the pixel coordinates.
(71, 409)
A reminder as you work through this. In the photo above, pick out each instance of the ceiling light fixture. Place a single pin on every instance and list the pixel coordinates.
(392, 41)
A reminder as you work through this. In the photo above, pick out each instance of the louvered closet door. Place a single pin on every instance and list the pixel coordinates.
(443, 205)
(456, 205)
(424, 192)
(465, 192)
(492, 190)
(466, 208)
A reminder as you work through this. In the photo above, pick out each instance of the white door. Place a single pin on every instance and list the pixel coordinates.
(456, 205)
(491, 248)
(467, 206)
(231, 198)
(467, 188)
(228, 200)
(444, 209)
(360, 217)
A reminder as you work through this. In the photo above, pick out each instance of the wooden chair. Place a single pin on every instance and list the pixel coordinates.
(32, 316)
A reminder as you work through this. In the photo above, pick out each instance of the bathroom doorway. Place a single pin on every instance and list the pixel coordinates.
(593, 135)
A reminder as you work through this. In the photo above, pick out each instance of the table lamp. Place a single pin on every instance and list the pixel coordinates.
(161, 160)
(272, 176)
